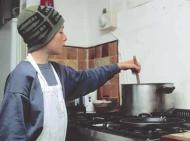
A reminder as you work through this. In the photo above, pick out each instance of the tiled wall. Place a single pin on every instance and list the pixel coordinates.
(83, 58)
(74, 57)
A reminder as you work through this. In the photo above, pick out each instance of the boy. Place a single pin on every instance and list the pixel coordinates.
(33, 107)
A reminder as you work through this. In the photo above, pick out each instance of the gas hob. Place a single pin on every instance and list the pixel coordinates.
(108, 126)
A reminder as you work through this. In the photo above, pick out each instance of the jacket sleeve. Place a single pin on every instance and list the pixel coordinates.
(79, 83)
(13, 110)
(12, 126)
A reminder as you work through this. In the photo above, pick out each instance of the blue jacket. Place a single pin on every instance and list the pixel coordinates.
(21, 112)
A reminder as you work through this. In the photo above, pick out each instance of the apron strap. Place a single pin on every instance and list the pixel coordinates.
(32, 61)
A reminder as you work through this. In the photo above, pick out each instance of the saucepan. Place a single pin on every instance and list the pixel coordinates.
(147, 98)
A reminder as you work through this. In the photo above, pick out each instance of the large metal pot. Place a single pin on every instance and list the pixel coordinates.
(147, 98)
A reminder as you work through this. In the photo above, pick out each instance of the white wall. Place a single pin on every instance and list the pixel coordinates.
(30, 2)
(76, 21)
(156, 32)
(97, 36)
(5, 52)
(11, 51)
(82, 21)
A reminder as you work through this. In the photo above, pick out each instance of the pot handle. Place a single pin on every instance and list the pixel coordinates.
(165, 89)
(168, 113)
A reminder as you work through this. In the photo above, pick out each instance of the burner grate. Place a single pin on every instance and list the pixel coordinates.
(182, 113)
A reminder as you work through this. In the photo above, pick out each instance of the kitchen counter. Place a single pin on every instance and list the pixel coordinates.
(87, 134)
(177, 137)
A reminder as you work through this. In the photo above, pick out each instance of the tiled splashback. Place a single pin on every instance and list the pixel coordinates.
(83, 58)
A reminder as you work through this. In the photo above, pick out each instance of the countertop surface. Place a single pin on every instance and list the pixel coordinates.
(185, 136)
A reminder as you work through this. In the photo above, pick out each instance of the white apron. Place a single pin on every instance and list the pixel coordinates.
(55, 113)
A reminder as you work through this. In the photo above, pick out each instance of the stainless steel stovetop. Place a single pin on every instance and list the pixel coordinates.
(107, 127)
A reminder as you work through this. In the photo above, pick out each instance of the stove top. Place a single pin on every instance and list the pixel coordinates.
(110, 123)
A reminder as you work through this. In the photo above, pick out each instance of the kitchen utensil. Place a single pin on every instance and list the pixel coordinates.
(147, 98)
(136, 74)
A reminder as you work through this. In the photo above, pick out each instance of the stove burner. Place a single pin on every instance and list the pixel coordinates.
(111, 123)
(152, 122)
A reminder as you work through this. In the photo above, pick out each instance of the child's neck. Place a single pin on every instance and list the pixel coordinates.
(40, 57)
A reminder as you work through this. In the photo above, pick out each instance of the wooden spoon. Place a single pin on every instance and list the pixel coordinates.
(136, 74)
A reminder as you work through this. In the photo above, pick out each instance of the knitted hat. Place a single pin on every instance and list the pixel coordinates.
(38, 24)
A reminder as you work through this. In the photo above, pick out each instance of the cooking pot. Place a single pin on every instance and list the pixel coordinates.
(147, 98)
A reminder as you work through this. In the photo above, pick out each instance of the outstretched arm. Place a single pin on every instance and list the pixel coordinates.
(79, 83)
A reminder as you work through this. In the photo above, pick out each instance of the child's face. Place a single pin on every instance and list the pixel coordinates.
(57, 43)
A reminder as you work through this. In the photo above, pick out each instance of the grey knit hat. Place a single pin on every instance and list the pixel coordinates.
(38, 24)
